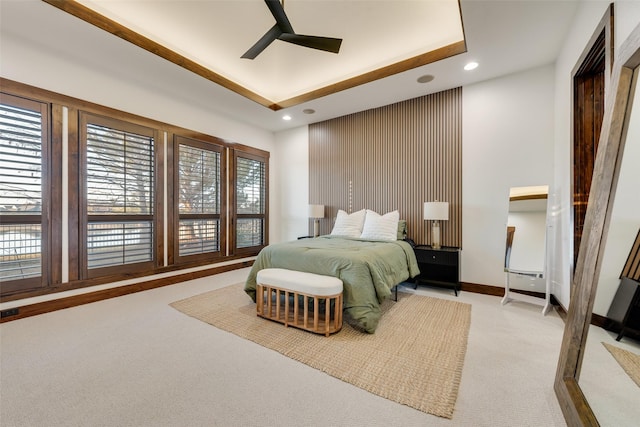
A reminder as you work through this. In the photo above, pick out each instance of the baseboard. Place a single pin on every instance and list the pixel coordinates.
(20, 312)
(29, 310)
(499, 291)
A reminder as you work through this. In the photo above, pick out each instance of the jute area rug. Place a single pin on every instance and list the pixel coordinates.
(629, 361)
(414, 358)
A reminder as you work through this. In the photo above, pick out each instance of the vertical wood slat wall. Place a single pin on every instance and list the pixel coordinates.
(393, 157)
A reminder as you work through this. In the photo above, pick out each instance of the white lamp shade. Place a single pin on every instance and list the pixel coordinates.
(436, 210)
(316, 211)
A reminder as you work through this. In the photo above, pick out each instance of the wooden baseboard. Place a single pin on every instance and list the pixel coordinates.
(499, 291)
(29, 310)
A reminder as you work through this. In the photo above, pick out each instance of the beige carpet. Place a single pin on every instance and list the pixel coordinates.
(415, 357)
(629, 361)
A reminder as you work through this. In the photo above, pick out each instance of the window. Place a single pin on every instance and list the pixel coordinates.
(250, 202)
(23, 149)
(200, 228)
(91, 195)
(119, 195)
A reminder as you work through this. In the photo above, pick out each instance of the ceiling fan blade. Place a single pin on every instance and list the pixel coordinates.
(264, 41)
(328, 44)
(277, 10)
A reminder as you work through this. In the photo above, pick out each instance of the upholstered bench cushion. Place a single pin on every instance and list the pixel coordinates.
(308, 283)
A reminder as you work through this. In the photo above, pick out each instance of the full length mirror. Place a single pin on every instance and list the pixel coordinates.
(573, 401)
(610, 375)
(526, 244)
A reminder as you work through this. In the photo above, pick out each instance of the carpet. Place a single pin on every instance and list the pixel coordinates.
(414, 358)
(629, 361)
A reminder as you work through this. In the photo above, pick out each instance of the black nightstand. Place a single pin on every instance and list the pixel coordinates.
(440, 267)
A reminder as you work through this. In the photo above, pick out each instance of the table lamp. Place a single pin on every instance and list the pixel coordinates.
(316, 212)
(436, 212)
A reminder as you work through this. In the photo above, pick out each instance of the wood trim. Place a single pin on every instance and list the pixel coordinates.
(74, 301)
(74, 107)
(43, 107)
(399, 67)
(94, 18)
(529, 197)
(55, 189)
(67, 302)
(73, 201)
(575, 408)
(171, 198)
(212, 144)
(393, 157)
(159, 201)
(590, 83)
(90, 16)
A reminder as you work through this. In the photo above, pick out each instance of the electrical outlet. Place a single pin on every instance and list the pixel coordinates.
(9, 312)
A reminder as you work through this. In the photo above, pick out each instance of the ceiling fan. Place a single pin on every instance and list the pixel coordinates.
(283, 30)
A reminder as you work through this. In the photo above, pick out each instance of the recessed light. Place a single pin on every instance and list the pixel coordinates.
(471, 66)
(308, 111)
(286, 117)
(425, 79)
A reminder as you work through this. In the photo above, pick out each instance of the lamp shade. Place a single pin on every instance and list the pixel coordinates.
(436, 210)
(316, 211)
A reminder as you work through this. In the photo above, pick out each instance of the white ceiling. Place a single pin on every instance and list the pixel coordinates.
(215, 33)
(504, 36)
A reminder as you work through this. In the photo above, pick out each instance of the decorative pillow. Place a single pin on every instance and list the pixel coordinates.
(402, 229)
(377, 227)
(349, 225)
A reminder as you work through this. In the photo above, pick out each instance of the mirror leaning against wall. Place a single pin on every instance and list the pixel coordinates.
(525, 262)
(571, 397)
(610, 373)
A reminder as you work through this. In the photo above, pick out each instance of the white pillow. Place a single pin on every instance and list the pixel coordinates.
(383, 227)
(349, 225)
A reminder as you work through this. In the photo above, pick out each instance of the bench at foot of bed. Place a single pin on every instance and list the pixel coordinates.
(303, 300)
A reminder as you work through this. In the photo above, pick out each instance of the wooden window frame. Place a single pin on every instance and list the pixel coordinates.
(63, 109)
(42, 281)
(86, 118)
(261, 156)
(203, 142)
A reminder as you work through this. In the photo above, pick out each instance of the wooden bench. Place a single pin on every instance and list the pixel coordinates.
(299, 299)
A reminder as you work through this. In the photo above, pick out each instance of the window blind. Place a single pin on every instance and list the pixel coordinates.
(199, 200)
(20, 193)
(119, 184)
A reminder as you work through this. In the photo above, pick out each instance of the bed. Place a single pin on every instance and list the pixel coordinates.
(369, 269)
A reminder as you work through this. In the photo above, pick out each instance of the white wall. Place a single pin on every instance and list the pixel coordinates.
(507, 141)
(121, 76)
(292, 180)
(627, 16)
(517, 131)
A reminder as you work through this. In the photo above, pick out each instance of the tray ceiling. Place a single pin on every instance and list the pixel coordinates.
(380, 39)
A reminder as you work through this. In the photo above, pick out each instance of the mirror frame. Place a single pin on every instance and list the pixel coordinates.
(619, 100)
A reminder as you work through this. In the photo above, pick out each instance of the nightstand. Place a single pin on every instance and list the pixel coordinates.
(440, 267)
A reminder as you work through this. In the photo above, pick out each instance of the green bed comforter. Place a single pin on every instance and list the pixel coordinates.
(369, 270)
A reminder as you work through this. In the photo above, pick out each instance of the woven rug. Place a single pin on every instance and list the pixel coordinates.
(414, 358)
(629, 361)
